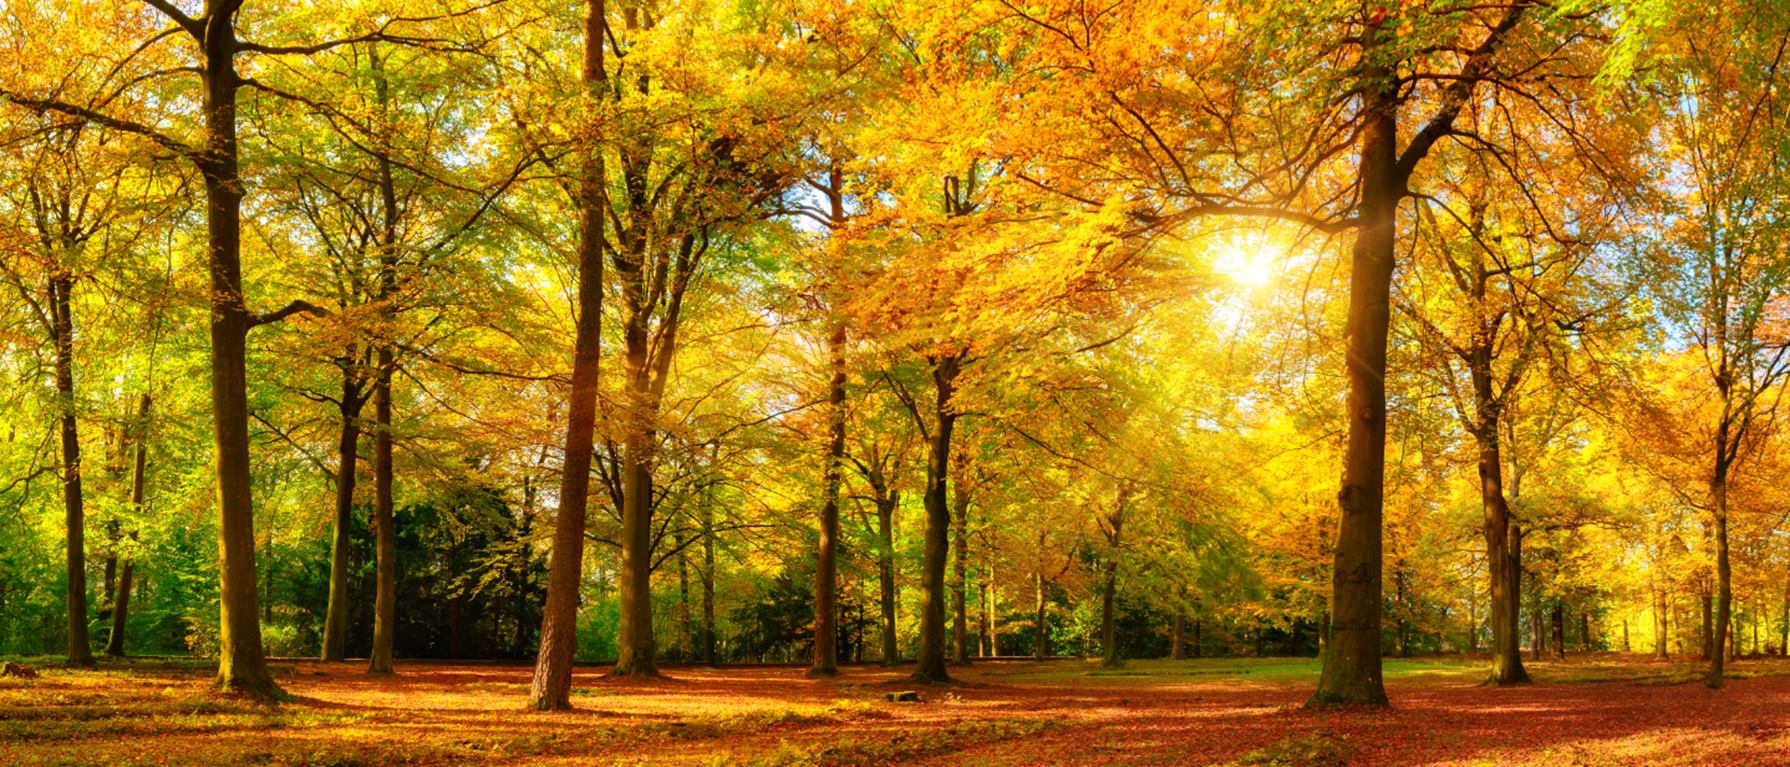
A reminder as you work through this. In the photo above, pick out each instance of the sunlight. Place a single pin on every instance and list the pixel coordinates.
(1249, 260)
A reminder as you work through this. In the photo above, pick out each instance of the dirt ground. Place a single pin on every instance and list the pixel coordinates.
(1591, 711)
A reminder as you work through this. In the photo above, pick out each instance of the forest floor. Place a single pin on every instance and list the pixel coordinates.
(1592, 710)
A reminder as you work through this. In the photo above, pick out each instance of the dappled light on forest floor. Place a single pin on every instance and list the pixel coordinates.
(1196, 712)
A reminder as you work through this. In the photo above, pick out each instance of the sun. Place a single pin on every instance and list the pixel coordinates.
(1248, 261)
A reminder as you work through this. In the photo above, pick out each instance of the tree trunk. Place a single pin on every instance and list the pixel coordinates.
(139, 491)
(1177, 642)
(1558, 623)
(960, 651)
(551, 686)
(885, 555)
(1585, 631)
(1661, 624)
(1040, 630)
(709, 651)
(1109, 588)
(1352, 660)
(1540, 643)
(683, 600)
(987, 632)
(335, 621)
(242, 661)
(635, 646)
(1505, 571)
(385, 592)
(826, 575)
(930, 660)
(1724, 596)
(80, 651)
(1708, 635)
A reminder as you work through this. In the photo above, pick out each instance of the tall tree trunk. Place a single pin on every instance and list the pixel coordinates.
(1585, 631)
(1718, 647)
(886, 502)
(551, 687)
(960, 651)
(385, 592)
(1558, 623)
(986, 640)
(139, 491)
(636, 647)
(930, 660)
(1177, 641)
(385, 595)
(826, 574)
(1661, 624)
(709, 654)
(335, 621)
(1505, 572)
(1040, 630)
(1540, 640)
(683, 600)
(1109, 588)
(1352, 660)
(80, 651)
(1707, 635)
(242, 661)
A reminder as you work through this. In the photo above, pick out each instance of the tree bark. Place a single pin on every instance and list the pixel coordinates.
(1505, 571)
(1109, 588)
(960, 651)
(826, 575)
(80, 650)
(1040, 630)
(886, 501)
(551, 687)
(139, 491)
(1352, 660)
(1717, 647)
(709, 651)
(1661, 624)
(930, 660)
(335, 621)
(242, 661)
(385, 592)
(1558, 622)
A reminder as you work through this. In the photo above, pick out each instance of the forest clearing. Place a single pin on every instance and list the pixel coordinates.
(1593, 711)
(859, 382)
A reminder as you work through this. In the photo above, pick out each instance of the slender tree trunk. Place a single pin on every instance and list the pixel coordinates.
(1352, 662)
(1558, 622)
(551, 686)
(1540, 643)
(335, 621)
(1109, 588)
(885, 555)
(986, 640)
(1507, 655)
(683, 600)
(709, 651)
(385, 592)
(1198, 639)
(139, 491)
(1708, 634)
(930, 660)
(1585, 631)
(80, 651)
(1177, 642)
(635, 646)
(960, 651)
(1724, 596)
(826, 575)
(1040, 629)
(1661, 626)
